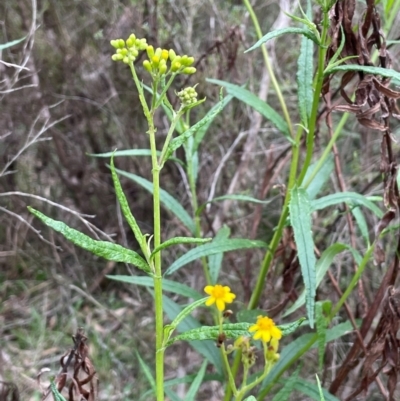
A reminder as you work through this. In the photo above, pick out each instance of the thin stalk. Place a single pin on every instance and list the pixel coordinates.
(317, 93)
(327, 149)
(157, 266)
(157, 278)
(269, 66)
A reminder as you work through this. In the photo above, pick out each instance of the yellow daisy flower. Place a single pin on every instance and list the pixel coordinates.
(220, 295)
(265, 329)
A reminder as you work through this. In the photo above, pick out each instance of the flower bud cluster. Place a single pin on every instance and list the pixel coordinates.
(248, 352)
(188, 96)
(162, 61)
(127, 51)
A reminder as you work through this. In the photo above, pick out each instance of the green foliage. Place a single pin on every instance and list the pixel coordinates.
(300, 219)
(306, 206)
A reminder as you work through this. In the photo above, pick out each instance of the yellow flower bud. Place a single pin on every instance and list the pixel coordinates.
(147, 65)
(117, 57)
(150, 52)
(130, 42)
(189, 70)
(162, 69)
(143, 44)
(121, 43)
(155, 60)
(158, 52)
(114, 43)
(176, 65)
(126, 60)
(164, 54)
(171, 54)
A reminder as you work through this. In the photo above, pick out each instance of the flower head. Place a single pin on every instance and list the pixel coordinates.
(220, 295)
(265, 329)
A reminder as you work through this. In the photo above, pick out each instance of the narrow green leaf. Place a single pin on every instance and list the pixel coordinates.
(147, 372)
(10, 44)
(168, 285)
(181, 139)
(126, 211)
(320, 178)
(127, 152)
(361, 222)
(213, 248)
(105, 249)
(257, 104)
(312, 391)
(322, 266)
(168, 201)
(284, 393)
(289, 328)
(205, 348)
(301, 31)
(215, 261)
(56, 394)
(321, 333)
(304, 76)
(172, 395)
(346, 197)
(384, 72)
(194, 388)
(201, 132)
(231, 330)
(180, 240)
(340, 330)
(321, 393)
(238, 197)
(251, 398)
(300, 218)
(182, 315)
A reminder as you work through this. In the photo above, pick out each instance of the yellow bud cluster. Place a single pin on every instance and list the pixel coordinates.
(188, 96)
(127, 51)
(159, 60)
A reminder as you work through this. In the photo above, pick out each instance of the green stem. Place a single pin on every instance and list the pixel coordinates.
(269, 66)
(158, 301)
(157, 266)
(171, 130)
(317, 93)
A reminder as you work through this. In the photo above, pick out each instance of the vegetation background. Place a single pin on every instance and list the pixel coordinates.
(72, 101)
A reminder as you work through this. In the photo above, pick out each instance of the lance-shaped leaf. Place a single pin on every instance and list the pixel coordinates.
(179, 240)
(231, 330)
(168, 285)
(123, 202)
(346, 197)
(226, 245)
(169, 328)
(384, 72)
(300, 218)
(270, 35)
(194, 387)
(257, 104)
(238, 197)
(10, 44)
(215, 261)
(167, 200)
(321, 332)
(304, 75)
(181, 139)
(105, 249)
